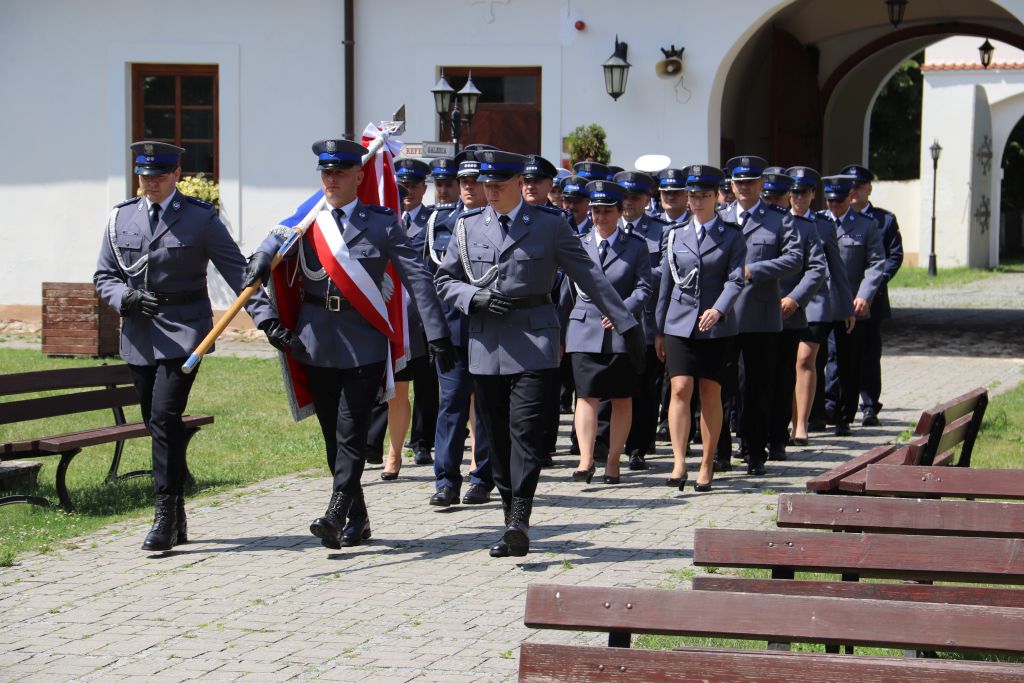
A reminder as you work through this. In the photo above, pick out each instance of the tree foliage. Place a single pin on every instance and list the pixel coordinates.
(587, 143)
(895, 137)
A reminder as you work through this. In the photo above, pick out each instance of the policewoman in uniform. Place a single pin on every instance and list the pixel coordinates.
(701, 279)
(600, 366)
(152, 270)
(501, 274)
(344, 353)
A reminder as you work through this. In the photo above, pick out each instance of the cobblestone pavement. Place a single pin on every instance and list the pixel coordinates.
(255, 597)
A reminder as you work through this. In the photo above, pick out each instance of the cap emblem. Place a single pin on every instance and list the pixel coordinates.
(695, 170)
(599, 186)
(148, 149)
(745, 161)
(331, 146)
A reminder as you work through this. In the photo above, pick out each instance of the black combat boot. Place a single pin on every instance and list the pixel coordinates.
(182, 521)
(164, 533)
(516, 532)
(500, 549)
(358, 528)
(329, 527)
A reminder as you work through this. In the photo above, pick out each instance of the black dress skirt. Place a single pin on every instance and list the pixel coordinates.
(699, 358)
(603, 375)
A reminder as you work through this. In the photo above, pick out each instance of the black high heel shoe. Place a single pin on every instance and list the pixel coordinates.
(701, 488)
(609, 479)
(677, 481)
(580, 476)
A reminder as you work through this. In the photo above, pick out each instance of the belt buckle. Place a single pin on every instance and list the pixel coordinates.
(333, 303)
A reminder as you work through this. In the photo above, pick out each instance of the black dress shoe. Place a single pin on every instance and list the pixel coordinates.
(798, 441)
(722, 465)
(500, 549)
(444, 497)
(516, 535)
(870, 420)
(330, 526)
(566, 409)
(756, 469)
(476, 495)
(547, 461)
(357, 529)
(843, 429)
(676, 482)
(423, 458)
(637, 462)
(777, 451)
(164, 533)
(389, 476)
(580, 476)
(608, 479)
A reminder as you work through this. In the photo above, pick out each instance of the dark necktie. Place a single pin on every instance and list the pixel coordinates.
(503, 221)
(839, 223)
(700, 234)
(602, 251)
(629, 229)
(743, 219)
(407, 219)
(339, 218)
(154, 216)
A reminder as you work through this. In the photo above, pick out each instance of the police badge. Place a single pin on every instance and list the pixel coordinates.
(331, 146)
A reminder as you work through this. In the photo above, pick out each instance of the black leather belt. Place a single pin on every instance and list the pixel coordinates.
(180, 298)
(531, 301)
(334, 303)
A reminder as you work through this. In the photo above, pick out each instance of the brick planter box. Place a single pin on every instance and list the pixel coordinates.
(76, 322)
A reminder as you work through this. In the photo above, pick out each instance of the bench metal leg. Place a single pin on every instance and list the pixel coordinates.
(619, 638)
(62, 471)
(31, 500)
(781, 573)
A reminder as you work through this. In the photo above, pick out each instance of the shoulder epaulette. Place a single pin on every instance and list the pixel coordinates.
(449, 206)
(778, 209)
(429, 207)
(551, 209)
(198, 202)
(472, 212)
(732, 224)
(641, 238)
(658, 219)
(376, 208)
(127, 202)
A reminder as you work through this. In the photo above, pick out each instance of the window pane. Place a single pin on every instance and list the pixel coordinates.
(197, 123)
(198, 158)
(158, 90)
(158, 123)
(197, 90)
(520, 89)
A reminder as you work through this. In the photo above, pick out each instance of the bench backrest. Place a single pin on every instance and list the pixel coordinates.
(897, 556)
(950, 424)
(829, 481)
(102, 387)
(543, 663)
(944, 481)
(901, 515)
(776, 618)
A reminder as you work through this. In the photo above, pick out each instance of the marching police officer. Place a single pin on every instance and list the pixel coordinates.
(592, 170)
(860, 244)
(501, 273)
(773, 252)
(345, 353)
(152, 270)
(892, 242)
(576, 201)
(446, 188)
(674, 198)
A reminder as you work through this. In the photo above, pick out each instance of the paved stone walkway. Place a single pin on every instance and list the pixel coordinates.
(254, 597)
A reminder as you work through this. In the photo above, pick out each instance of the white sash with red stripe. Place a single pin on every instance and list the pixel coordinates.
(355, 284)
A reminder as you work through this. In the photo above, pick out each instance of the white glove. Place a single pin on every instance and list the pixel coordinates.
(387, 288)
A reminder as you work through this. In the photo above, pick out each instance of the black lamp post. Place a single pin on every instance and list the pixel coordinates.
(896, 10)
(986, 49)
(936, 150)
(616, 70)
(463, 102)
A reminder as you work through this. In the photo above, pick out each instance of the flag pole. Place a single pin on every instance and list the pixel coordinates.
(388, 129)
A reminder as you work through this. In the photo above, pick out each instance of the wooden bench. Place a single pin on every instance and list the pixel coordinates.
(945, 481)
(891, 556)
(621, 612)
(940, 430)
(901, 515)
(80, 390)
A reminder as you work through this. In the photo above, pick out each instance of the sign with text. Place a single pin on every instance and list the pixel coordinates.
(428, 150)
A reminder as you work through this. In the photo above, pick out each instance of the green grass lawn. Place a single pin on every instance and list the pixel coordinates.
(252, 439)
(908, 277)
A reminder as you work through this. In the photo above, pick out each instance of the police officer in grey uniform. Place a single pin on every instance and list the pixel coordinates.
(576, 201)
(674, 203)
(501, 275)
(345, 354)
(860, 244)
(797, 290)
(152, 270)
(773, 252)
(592, 170)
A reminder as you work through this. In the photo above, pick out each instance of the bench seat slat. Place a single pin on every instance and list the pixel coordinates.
(901, 515)
(828, 480)
(945, 481)
(777, 618)
(899, 556)
(543, 663)
(91, 437)
(854, 482)
(914, 592)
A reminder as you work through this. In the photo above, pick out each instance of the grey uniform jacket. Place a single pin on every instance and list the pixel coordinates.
(652, 229)
(837, 285)
(773, 252)
(439, 234)
(524, 263)
(628, 269)
(803, 285)
(711, 275)
(892, 243)
(345, 339)
(417, 236)
(860, 245)
(188, 237)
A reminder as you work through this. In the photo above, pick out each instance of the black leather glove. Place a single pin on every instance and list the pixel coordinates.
(442, 352)
(258, 269)
(636, 347)
(139, 302)
(280, 337)
(490, 301)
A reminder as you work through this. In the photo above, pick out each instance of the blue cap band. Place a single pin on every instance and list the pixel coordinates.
(162, 159)
(508, 167)
(340, 156)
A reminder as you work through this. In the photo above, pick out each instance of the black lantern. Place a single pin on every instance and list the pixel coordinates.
(986, 49)
(936, 150)
(466, 99)
(896, 9)
(616, 70)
